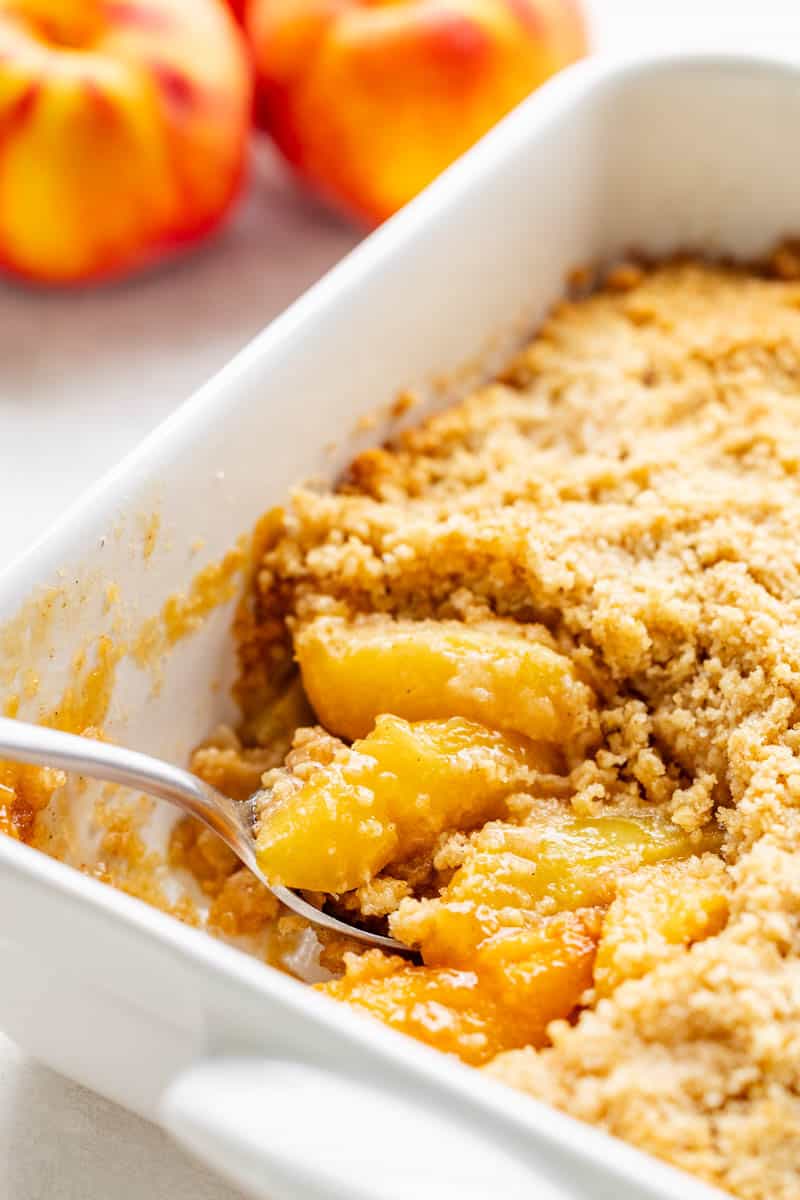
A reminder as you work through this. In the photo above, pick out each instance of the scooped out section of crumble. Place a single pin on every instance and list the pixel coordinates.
(509, 942)
(335, 826)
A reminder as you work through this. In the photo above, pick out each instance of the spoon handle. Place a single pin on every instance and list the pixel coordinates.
(25, 743)
(44, 747)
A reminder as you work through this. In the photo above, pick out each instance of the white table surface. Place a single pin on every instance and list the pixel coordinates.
(83, 377)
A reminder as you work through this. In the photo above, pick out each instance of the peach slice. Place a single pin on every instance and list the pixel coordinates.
(388, 797)
(657, 912)
(422, 670)
(566, 861)
(512, 875)
(517, 984)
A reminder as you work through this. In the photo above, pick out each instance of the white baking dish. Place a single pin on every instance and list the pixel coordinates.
(279, 1088)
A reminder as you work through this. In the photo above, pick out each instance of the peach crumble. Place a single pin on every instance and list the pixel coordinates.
(551, 641)
(524, 690)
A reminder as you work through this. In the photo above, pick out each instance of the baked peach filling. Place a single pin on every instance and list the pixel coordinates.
(515, 982)
(557, 860)
(495, 674)
(657, 912)
(388, 797)
(464, 733)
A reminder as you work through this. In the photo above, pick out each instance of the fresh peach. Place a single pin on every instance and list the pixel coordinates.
(237, 7)
(123, 131)
(370, 99)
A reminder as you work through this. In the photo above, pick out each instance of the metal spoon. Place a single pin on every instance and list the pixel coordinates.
(230, 819)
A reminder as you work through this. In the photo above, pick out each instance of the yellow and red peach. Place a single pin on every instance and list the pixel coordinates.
(237, 7)
(370, 99)
(123, 131)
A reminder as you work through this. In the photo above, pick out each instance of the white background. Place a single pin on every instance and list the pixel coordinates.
(82, 378)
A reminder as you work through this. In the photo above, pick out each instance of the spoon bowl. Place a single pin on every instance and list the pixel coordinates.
(232, 820)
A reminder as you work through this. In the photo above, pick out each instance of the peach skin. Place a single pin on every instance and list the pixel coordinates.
(123, 131)
(370, 100)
